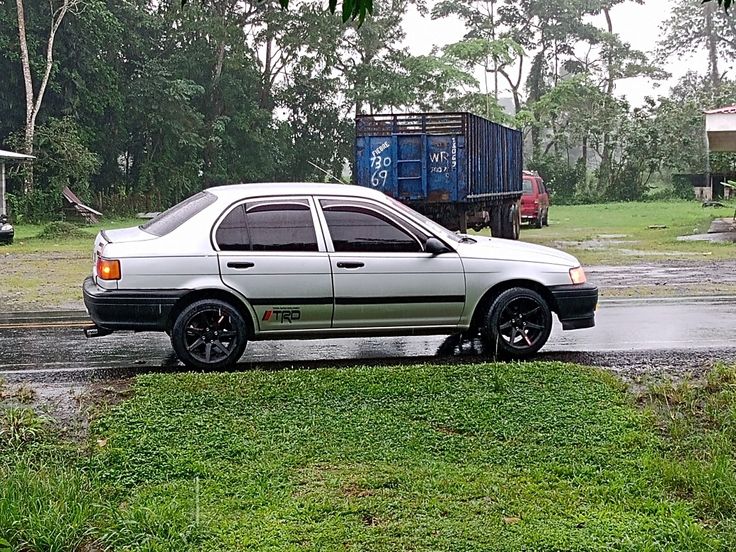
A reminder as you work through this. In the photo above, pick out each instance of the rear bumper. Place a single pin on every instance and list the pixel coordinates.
(141, 310)
(575, 305)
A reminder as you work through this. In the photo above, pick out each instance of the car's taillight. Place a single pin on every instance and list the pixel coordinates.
(108, 269)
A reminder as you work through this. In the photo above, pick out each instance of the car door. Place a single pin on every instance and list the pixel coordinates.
(381, 274)
(270, 252)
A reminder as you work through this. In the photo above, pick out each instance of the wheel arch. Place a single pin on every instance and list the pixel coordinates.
(489, 296)
(214, 293)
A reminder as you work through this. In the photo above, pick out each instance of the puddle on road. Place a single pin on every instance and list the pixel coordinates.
(599, 242)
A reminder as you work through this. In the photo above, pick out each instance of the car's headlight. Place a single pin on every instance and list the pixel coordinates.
(577, 275)
(6, 228)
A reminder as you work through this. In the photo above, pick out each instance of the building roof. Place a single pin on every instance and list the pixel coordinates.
(13, 156)
(729, 110)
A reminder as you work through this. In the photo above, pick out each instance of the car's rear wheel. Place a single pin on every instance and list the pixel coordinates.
(539, 220)
(209, 334)
(545, 220)
(518, 323)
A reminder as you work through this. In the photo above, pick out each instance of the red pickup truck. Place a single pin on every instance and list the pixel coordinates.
(534, 201)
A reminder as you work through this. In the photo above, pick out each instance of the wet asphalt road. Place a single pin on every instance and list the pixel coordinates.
(634, 337)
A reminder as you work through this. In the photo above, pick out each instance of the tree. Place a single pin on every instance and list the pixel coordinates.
(693, 28)
(34, 98)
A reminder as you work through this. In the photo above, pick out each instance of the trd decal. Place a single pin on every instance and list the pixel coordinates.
(282, 316)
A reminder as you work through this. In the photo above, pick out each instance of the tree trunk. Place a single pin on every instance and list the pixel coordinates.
(265, 99)
(28, 81)
(712, 38)
(604, 171)
(535, 84)
(33, 105)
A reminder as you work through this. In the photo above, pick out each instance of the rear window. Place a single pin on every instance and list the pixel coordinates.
(178, 214)
(528, 186)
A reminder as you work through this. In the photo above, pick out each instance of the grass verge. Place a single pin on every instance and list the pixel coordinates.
(535, 456)
(45, 266)
(620, 233)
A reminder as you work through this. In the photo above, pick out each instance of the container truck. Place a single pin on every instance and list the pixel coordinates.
(457, 168)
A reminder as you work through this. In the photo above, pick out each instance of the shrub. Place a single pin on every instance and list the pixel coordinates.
(61, 229)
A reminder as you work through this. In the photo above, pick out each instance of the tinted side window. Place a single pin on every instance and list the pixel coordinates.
(232, 234)
(281, 226)
(358, 229)
(268, 226)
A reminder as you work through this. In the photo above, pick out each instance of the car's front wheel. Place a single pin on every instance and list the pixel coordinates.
(209, 334)
(518, 323)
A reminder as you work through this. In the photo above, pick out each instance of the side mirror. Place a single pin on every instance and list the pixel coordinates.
(435, 247)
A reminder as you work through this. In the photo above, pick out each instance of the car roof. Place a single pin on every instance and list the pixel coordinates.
(240, 191)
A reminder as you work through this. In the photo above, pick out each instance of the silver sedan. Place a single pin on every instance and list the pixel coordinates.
(285, 261)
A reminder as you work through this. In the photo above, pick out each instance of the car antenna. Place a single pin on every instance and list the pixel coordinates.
(338, 180)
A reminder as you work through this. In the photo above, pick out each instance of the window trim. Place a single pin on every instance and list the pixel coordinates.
(369, 205)
(319, 235)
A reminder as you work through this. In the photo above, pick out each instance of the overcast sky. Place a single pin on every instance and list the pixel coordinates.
(635, 23)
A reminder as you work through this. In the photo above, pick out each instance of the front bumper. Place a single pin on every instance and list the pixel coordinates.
(575, 305)
(139, 310)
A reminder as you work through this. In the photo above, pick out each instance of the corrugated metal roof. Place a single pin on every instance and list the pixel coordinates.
(13, 156)
(730, 110)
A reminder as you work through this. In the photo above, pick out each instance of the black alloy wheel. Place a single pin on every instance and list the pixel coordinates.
(209, 334)
(518, 323)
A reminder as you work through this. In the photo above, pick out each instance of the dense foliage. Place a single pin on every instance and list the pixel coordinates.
(148, 102)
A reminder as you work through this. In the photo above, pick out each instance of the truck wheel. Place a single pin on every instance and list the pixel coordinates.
(497, 221)
(510, 222)
(209, 334)
(518, 323)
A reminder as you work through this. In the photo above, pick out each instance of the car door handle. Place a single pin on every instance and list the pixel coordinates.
(241, 266)
(350, 265)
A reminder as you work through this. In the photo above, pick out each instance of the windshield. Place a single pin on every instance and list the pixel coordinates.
(178, 214)
(434, 227)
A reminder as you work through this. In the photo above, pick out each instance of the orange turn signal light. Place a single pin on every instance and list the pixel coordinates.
(108, 269)
(577, 275)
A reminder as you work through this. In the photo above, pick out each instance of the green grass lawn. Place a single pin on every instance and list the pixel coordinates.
(531, 456)
(619, 233)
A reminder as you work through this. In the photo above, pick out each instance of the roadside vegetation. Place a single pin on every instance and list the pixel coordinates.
(534, 456)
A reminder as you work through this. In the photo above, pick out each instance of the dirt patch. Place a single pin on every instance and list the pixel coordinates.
(670, 278)
(38, 281)
(71, 406)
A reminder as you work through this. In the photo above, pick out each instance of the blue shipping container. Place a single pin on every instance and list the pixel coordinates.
(455, 158)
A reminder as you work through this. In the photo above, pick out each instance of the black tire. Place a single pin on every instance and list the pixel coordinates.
(539, 220)
(518, 323)
(209, 334)
(497, 221)
(511, 221)
(545, 220)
